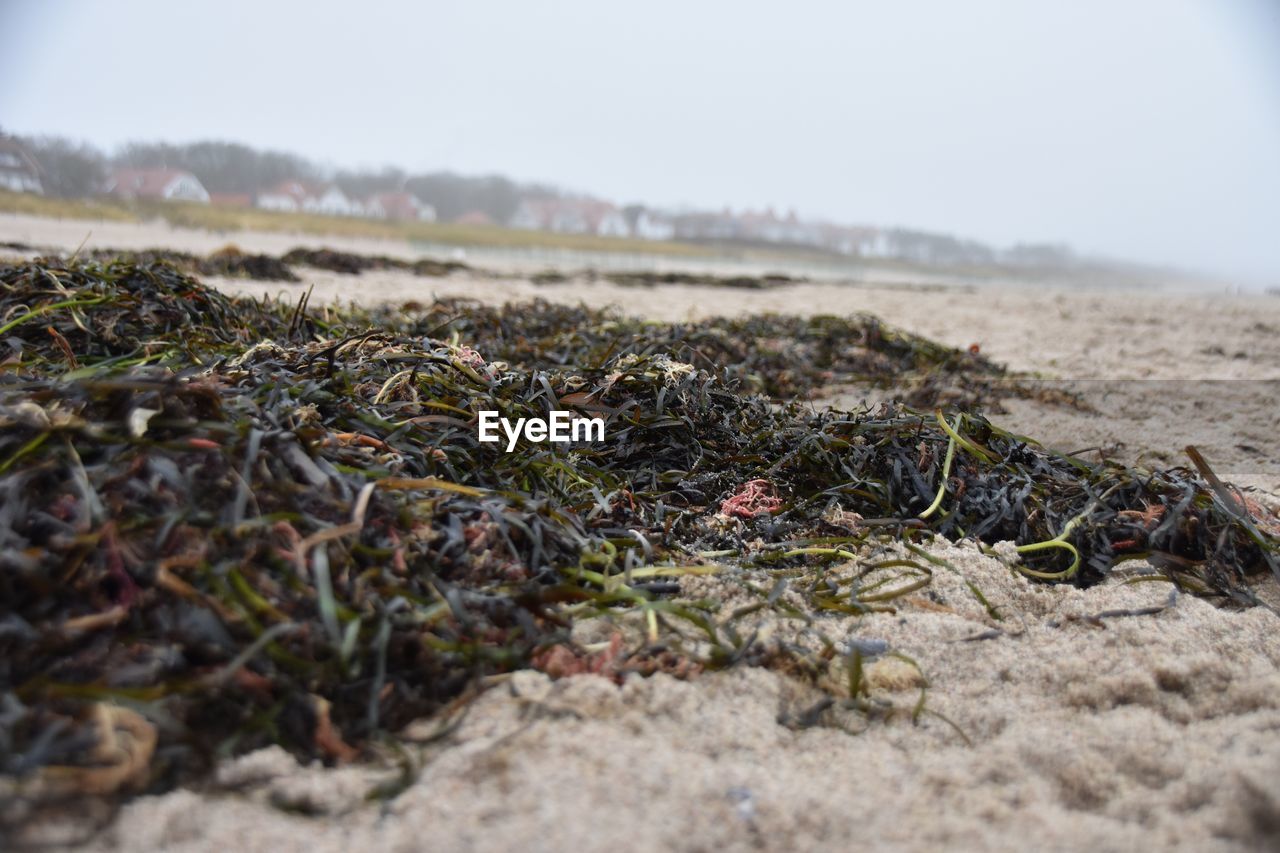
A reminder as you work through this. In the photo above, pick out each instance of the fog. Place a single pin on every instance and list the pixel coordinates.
(1147, 130)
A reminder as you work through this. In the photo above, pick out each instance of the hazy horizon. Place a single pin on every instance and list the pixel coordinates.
(1148, 131)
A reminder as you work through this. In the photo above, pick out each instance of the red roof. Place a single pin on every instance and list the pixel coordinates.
(144, 183)
(294, 189)
(398, 205)
(589, 210)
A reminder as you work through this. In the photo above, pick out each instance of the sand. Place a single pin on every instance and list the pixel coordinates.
(1053, 728)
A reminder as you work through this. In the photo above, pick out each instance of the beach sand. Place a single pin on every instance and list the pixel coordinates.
(1106, 719)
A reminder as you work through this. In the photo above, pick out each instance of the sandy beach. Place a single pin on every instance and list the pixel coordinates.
(1120, 717)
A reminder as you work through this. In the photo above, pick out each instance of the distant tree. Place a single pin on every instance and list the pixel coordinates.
(1041, 255)
(632, 213)
(360, 184)
(499, 198)
(71, 169)
(225, 167)
(230, 167)
(928, 248)
(444, 191)
(453, 195)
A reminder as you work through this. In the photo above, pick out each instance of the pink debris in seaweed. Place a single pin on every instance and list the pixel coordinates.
(470, 357)
(475, 361)
(755, 497)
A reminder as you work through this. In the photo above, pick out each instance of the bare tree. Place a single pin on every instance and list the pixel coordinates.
(70, 169)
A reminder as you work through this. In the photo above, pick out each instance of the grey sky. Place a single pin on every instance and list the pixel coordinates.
(1147, 129)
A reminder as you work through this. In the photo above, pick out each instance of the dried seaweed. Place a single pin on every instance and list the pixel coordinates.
(247, 523)
(650, 279)
(778, 355)
(354, 264)
(673, 277)
(228, 262)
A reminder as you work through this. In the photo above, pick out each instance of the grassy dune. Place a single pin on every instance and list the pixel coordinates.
(213, 218)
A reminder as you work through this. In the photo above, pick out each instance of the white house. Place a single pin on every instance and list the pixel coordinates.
(708, 226)
(329, 201)
(571, 216)
(532, 215)
(286, 196)
(157, 185)
(295, 197)
(653, 226)
(610, 222)
(398, 207)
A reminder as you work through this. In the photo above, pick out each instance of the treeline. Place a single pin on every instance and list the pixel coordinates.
(943, 249)
(77, 169)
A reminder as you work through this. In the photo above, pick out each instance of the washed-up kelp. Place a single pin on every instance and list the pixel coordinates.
(650, 279)
(228, 262)
(354, 264)
(778, 355)
(55, 317)
(232, 262)
(342, 262)
(228, 523)
(653, 279)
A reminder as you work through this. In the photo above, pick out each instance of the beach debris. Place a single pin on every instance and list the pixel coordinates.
(228, 262)
(753, 498)
(263, 524)
(231, 262)
(651, 279)
(341, 262)
(354, 264)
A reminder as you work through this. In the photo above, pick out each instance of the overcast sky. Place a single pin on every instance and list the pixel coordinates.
(1147, 129)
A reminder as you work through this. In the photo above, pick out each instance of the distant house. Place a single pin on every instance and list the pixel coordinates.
(329, 201)
(398, 207)
(286, 197)
(19, 171)
(607, 221)
(531, 215)
(571, 216)
(708, 226)
(157, 185)
(767, 227)
(568, 217)
(297, 197)
(653, 226)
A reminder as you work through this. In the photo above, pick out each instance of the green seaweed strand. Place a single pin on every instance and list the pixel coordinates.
(45, 309)
(946, 467)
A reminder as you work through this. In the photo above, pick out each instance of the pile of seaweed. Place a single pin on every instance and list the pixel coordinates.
(653, 279)
(354, 264)
(231, 262)
(227, 523)
(782, 356)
